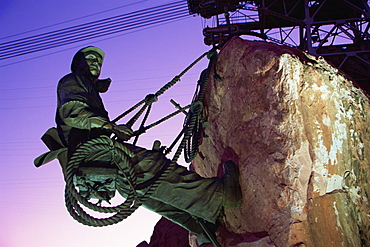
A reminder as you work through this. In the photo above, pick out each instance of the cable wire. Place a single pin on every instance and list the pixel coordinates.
(78, 28)
(93, 34)
(96, 40)
(96, 29)
(74, 19)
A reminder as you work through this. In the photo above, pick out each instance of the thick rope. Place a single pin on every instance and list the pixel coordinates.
(143, 123)
(194, 120)
(178, 77)
(143, 129)
(162, 89)
(73, 198)
(128, 111)
(103, 143)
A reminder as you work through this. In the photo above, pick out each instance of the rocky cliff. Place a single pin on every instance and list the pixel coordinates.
(299, 131)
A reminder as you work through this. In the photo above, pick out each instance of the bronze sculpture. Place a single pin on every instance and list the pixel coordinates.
(181, 196)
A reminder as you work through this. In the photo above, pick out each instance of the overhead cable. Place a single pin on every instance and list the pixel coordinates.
(74, 19)
(96, 29)
(64, 31)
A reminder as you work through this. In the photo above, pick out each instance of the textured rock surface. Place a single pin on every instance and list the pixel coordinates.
(299, 132)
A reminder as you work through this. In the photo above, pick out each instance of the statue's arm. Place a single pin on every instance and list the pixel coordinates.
(74, 98)
(77, 115)
(75, 111)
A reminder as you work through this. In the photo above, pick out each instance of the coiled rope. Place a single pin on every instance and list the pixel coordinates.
(194, 123)
(86, 152)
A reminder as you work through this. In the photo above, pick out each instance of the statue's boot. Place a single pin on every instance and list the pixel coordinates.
(232, 190)
(232, 199)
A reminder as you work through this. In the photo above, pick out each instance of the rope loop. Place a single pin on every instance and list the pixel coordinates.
(196, 106)
(121, 157)
(86, 153)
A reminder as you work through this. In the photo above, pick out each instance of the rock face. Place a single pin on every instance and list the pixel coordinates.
(299, 131)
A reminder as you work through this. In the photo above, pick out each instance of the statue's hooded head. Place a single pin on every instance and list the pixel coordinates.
(88, 60)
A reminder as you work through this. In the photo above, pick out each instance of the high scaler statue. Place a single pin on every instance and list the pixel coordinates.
(81, 116)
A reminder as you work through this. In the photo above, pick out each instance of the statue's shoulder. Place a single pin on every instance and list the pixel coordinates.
(73, 79)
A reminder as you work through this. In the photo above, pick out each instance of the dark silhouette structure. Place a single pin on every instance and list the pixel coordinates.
(338, 30)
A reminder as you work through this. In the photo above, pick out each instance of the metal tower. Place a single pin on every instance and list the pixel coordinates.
(338, 30)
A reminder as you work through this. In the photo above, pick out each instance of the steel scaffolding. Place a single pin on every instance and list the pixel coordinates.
(337, 30)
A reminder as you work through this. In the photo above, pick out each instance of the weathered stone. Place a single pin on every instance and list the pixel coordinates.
(299, 131)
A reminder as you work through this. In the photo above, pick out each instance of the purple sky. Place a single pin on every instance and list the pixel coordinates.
(32, 210)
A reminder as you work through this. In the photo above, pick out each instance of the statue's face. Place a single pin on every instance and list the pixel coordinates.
(90, 62)
(94, 64)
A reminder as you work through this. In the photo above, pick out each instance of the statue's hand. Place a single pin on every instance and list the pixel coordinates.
(123, 132)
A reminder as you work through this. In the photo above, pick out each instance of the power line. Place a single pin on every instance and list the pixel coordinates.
(78, 38)
(89, 26)
(75, 19)
(128, 15)
(96, 41)
(108, 26)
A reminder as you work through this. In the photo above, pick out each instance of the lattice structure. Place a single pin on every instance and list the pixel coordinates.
(335, 29)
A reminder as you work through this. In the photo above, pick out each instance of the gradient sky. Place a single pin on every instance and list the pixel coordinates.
(32, 211)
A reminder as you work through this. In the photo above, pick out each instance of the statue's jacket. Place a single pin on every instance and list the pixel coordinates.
(79, 105)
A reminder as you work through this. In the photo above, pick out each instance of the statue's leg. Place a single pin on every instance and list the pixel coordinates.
(180, 217)
(201, 197)
(182, 189)
(175, 215)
